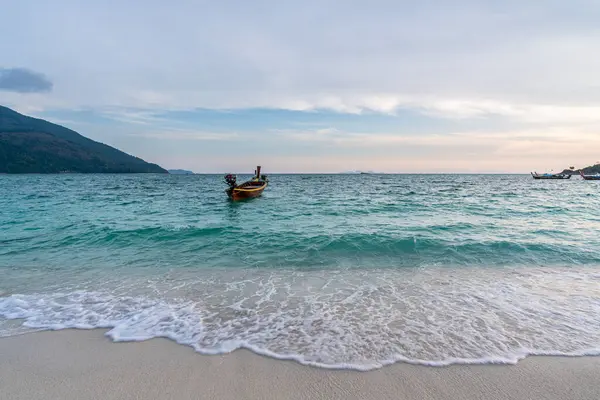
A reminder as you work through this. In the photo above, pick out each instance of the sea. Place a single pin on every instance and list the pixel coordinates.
(334, 271)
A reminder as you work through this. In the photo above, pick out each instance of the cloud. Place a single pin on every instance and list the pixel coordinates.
(22, 80)
(378, 57)
(516, 148)
(498, 80)
(138, 117)
(187, 135)
(534, 113)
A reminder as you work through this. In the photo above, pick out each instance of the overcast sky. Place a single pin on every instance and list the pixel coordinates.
(315, 86)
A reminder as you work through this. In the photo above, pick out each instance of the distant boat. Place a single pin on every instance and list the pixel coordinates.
(247, 190)
(595, 177)
(550, 176)
(361, 172)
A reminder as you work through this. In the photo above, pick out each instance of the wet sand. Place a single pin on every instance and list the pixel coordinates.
(75, 364)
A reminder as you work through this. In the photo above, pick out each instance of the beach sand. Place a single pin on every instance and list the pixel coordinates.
(86, 365)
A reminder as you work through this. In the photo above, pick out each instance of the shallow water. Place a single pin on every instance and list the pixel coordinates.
(353, 271)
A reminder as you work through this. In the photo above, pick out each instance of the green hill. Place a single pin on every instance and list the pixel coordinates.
(594, 169)
(31, 145)
(591, 170)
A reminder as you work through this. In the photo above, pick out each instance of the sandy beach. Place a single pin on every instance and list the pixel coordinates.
(74, 364)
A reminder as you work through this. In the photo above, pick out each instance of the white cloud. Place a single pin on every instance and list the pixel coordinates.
(458, 59)
(137, 117)
(532, 64)
(509, 151)
(328, 150)
(180, 134)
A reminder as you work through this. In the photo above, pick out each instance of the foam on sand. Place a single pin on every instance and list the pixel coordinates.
(351, 319)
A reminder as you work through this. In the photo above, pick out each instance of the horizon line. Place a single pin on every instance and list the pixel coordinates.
(356, 173)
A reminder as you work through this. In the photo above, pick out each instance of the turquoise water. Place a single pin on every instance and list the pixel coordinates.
(352, 271)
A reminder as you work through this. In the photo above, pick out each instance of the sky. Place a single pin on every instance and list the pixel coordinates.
(314, 86)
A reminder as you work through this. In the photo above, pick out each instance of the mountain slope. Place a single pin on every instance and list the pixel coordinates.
(31, 145)
(592, 169)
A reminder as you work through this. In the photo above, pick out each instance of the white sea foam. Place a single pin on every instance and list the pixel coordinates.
(358, 319)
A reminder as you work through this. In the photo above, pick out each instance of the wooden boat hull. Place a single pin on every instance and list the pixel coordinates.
(537, 176)
(590, 177)
(247, 192)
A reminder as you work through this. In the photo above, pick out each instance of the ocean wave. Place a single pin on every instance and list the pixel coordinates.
(450, 244)
(342, 319)
(423, 250)
(333, 221)
(333, 271)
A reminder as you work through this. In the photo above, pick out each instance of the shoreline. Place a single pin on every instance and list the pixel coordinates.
(77, 364)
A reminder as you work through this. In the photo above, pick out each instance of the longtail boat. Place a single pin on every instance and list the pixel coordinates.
(595, 177)
(550, 176)
(247, 190)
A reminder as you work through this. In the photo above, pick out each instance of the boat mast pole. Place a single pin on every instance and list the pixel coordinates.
(258, 172)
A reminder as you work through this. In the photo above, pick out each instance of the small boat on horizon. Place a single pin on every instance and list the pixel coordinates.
(247, 190)
(550, 176)
(594, 177)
